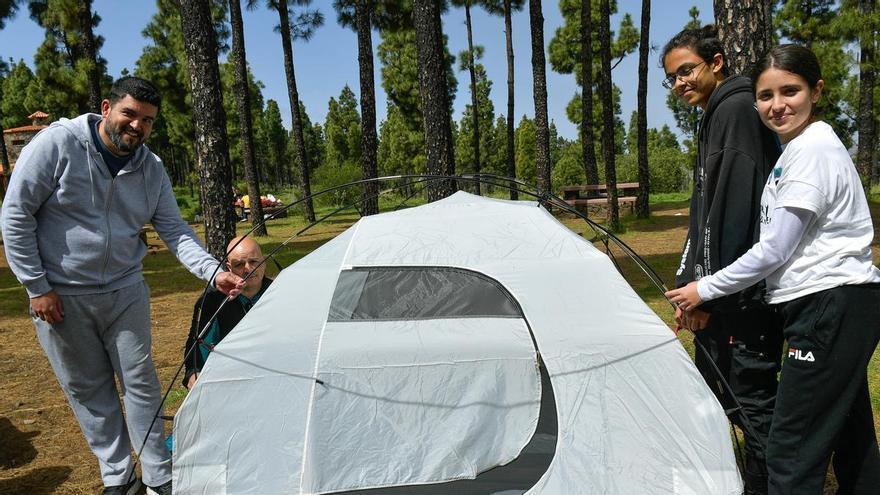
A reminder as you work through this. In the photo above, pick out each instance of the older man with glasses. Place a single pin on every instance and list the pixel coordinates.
(245, 260)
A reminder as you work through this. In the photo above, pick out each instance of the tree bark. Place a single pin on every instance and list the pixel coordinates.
(745, 28)
(240, 88)
(511, 157)
(588, 146)
(867, 81)
(90, 53)
(368, 107)
(642, 207)
(608, 116)
(209, 119)
(4, 161)
(475, 114)
(292, 93)
(542, 129)
(434, 95)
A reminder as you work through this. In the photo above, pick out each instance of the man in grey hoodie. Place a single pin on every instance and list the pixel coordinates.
(79, 195)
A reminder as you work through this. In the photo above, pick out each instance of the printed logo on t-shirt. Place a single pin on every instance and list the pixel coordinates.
(765, 214)
(800, 355)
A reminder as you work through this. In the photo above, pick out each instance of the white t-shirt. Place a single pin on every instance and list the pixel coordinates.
(814, 173)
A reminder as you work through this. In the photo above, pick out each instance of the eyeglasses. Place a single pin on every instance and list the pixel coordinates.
(238, 265)
(681, 73)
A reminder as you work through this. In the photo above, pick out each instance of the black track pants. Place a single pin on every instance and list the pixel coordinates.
(747, 347)
(823, 406)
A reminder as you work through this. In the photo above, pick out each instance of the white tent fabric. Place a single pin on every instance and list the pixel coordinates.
(290, 402)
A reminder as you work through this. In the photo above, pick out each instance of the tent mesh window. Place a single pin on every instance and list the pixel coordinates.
(394, 293)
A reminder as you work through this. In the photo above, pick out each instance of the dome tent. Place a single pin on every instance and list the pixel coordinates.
(405, 352)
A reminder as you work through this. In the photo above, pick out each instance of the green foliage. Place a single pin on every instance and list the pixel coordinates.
(331, 175)
(668, 169)
(663, 138)
(565, 57)
(271, 151)
(524, 149)
(401, 148)
(163, 62)
(400, 74)
(820, 25)
(233, 127)
(569, 169)
(464, 139)
(14, 110)
(342, 129)
(61, 85)
(189, 205)
(313, 135)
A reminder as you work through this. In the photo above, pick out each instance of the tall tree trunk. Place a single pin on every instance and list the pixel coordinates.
(542, 129)
(241, 89)
(475, 114)
(511, 156)
(745, 28)
(433, 93)
(608, 116)
(642, 207)
(867, 78)
(4, 161)
(368, 107)
(90, 53)
(588, 145)
(292, 93)
(209, 119)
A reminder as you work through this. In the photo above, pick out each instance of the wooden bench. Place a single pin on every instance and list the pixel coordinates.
(585, 196)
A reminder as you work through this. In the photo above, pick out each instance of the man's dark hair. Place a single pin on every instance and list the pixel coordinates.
(137, 88)
(703, 41)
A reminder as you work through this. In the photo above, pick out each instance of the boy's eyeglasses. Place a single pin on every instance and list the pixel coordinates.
(681, 73)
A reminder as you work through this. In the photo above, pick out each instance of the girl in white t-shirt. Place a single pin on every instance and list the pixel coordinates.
(815, 254)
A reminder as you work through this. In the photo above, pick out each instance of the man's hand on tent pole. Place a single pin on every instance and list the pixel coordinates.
(229, 283)
(696, 319)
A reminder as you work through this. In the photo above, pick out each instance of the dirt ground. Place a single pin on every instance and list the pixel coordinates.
(41, 448)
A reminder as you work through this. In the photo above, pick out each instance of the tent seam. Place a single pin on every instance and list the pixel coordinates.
(302, 470)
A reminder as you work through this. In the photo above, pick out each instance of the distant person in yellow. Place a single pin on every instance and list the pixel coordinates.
(246, 201)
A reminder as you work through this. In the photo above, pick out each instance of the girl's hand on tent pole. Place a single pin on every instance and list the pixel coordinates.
(686, 298)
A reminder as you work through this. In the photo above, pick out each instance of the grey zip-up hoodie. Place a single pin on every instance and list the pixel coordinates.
(70, 226)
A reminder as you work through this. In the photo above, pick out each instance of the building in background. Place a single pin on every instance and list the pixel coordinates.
(17, 137)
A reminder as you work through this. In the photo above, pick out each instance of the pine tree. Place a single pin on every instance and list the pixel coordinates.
(304, 26)
(342, 130)
(608, 115)
(642, 207)
(539, 75)
(215, 178)
(245, 120)
(572, 50)
(506, 8)
(433, 95)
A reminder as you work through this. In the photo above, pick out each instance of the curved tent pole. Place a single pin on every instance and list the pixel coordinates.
(499, 181)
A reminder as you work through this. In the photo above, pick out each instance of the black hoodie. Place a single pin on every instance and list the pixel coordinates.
(734, 157)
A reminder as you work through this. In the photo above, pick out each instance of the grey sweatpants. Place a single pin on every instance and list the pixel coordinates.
(102, 335)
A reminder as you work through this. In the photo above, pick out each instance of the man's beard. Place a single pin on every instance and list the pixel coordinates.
(115, 135)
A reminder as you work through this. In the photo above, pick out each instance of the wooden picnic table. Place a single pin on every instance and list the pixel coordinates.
(574, 195)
